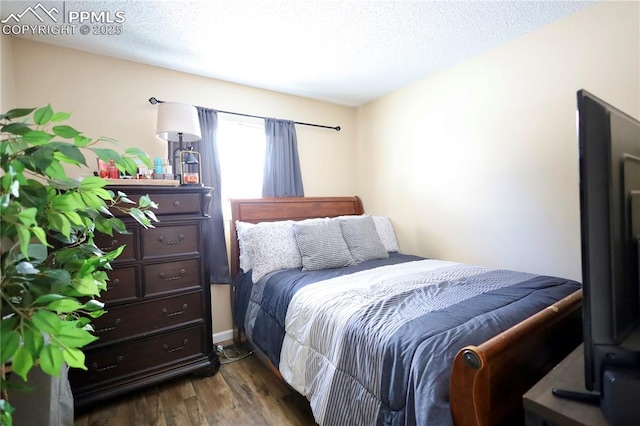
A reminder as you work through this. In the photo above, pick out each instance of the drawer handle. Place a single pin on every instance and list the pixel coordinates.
(114, 282)
(176, 203)
(171, 243)
(94, 366)
(177, 348)
(173, 314)
(116, 323)
(114, 243)
(177, 277)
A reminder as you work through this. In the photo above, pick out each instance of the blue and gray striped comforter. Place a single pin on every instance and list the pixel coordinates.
(374, 343)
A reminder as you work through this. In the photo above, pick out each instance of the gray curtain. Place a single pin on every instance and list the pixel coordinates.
(208, 149)
(282, 177)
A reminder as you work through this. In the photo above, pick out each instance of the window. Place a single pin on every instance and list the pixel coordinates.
(241, 149)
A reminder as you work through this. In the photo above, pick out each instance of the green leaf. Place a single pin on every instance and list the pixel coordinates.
(103, 225)
(82, 141)
(92, 182)
(22, 362)
(94, 305)
(24, 236)
(64, 203)
(103, 193)
(74, 358)
(106, 154)
(51, 360)
(33, 341)
(118, 225)
(43, 115)
(16, 129)
(16, 113)
(74, 218)
(60, 116)
(28, 216)
(6, 410)
(71, 152)
(65, 131)
(75, 337)
(56, 171)
(91, 200)
(86, 286)
(65, 305)
(39, 234)
(9, 343)
(128, 165)
(47, 321)
(151, 215)
(144, 201)
(37, 137)
(37, 253)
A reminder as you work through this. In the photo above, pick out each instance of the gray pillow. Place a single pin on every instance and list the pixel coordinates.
(362, 239)
(322, 245)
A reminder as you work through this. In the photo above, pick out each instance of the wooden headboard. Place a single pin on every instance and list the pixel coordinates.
(256, 210)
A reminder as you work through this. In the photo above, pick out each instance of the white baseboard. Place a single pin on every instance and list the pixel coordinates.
(222, 336)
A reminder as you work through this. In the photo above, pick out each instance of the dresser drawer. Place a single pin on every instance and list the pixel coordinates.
(177, 203)
(107, 243)
(171, 276)
(142, 318)
(119, 360)
(170, 240)
(121, 285)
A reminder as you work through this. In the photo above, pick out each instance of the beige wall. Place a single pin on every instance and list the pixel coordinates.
(108, 97)
(7, 81)
(479, 163)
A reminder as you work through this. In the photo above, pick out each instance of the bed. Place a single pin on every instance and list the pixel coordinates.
(389, 338)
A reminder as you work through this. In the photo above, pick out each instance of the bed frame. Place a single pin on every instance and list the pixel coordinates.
(487, 381)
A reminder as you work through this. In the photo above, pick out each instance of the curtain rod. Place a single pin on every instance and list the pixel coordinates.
(154, 101)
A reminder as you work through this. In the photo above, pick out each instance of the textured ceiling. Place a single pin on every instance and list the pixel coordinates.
(348, 52)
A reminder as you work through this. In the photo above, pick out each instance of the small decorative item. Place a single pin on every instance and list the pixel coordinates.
(190, 169)
(102, 169)
(112, 170)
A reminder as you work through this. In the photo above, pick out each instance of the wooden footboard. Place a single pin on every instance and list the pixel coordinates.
(488, 381)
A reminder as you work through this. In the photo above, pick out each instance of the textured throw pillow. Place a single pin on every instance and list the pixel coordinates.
(272, 247)
(322, 245)
(386, 233)
(243, 244)
(362, 239)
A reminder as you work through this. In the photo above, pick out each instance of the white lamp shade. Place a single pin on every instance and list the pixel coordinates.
(174, 118)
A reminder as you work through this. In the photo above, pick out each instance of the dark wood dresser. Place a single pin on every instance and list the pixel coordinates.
(158, 303)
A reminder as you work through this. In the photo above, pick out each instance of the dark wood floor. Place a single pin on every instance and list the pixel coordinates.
(244, 392)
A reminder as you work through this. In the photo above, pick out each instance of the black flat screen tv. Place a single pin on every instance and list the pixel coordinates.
(609, 151)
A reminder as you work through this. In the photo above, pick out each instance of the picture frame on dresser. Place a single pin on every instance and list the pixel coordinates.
(158, 320)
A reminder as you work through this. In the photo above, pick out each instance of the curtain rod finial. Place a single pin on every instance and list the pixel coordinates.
(153, 100)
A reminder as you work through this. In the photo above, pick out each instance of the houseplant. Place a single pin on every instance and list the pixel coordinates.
(51, 270)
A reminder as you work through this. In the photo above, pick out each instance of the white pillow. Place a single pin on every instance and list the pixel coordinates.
(386, 233)
(272, 247)
(243, 244)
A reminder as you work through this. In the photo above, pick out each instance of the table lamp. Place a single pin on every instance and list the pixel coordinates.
(178, 122)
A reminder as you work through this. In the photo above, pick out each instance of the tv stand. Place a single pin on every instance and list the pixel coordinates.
(584, 397)
(543, 408)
